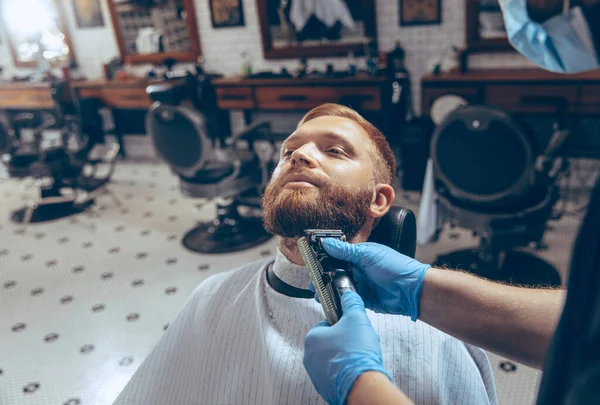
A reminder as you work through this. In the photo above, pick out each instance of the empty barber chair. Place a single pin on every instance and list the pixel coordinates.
(65, 168)
(209, 165)
(490, 177)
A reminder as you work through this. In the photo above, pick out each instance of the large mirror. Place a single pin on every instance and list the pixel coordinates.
(36, 32)
(152, 31)
(485, 26)
(296, 28)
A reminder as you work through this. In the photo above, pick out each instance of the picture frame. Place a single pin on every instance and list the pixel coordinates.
(226, 13)
(420, 12)
(88, 13)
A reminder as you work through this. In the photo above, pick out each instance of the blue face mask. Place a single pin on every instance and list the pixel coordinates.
(562, 44)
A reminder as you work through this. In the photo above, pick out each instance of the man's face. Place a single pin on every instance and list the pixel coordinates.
(324, 179)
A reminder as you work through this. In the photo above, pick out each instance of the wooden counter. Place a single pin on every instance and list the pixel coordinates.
(518, 90)
(363, 92)
(126, 94)
(25, 96)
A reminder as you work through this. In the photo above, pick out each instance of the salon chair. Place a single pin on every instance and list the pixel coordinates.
(66, 168)
(491, 177)
(210, 164)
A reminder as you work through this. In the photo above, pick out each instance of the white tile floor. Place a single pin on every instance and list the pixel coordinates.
(84, 299)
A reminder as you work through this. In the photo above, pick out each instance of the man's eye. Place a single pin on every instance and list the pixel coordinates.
(288, 152)
(335, 151)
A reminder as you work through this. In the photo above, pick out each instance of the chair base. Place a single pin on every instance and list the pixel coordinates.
(517, 267)
(226, 236)
(49, 212)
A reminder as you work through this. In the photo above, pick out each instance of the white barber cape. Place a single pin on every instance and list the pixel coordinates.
(238, 341)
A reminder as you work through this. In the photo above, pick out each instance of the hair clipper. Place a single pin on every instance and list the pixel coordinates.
(329, 275)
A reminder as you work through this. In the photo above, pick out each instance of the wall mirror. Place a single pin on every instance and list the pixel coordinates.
(485, 26)
(152, 31)
(36, 33)
(296, 28)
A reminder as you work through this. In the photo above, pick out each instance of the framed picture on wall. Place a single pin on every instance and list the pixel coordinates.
(88, 13)
(420, 12)
(226, 13)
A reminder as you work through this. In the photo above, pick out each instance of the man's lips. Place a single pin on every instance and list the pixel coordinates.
(300, 180)
(299, 184)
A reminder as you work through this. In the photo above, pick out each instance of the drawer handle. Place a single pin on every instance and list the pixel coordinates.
(236, 97)
(293, 97)
(131, 97)
(545, 100)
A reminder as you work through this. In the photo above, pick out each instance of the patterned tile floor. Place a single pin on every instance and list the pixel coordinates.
(84, 299)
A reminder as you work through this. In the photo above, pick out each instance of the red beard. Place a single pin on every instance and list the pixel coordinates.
(288, 212)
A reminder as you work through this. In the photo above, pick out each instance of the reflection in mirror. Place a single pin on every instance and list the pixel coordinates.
(153, 29)
(491, 23)
(315, 23)
(34, 31)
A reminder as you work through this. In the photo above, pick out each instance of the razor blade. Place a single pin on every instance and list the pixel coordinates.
(330, 276)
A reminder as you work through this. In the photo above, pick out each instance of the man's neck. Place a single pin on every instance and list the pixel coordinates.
(289, 248)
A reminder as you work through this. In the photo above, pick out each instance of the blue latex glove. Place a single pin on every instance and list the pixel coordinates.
(388, 281)
(335, 356)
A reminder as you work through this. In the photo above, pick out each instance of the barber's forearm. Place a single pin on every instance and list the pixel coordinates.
(374, 388)
(514, 322)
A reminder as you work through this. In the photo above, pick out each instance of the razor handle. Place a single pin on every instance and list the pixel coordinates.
(338, 280)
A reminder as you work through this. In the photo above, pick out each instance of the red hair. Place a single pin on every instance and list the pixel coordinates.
(385, 162)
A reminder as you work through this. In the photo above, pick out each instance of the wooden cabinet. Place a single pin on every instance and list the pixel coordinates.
(126, 94)
(305, 98)
(520, 91)
(527, 98)
(533, 93)
(236, 98)
(362, 92)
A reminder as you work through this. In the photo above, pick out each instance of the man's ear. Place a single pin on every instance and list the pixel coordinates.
(383, 198)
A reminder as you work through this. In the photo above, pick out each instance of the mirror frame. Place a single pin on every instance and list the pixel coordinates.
(157, 58)
(291, 52)
(72, 61)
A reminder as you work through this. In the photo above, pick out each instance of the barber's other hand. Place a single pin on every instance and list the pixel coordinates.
(335, 356)
(388, 281)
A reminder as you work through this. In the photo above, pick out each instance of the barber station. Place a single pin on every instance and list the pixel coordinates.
(196, 197)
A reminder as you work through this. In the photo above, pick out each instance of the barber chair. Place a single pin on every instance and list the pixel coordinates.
(491, 178)
(66, 169)
(209, 164)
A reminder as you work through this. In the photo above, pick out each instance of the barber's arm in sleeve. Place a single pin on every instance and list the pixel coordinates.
(344, 361)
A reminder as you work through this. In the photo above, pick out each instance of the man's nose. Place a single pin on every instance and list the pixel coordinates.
(304, 156)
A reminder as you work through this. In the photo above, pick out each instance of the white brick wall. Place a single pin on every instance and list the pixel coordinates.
(222, 47)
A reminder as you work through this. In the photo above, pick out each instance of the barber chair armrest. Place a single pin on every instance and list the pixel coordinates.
(546, 163)
(22, 117)
(103, 153)
(259, 129)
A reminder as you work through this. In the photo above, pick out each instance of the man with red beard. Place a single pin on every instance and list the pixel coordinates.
(240, 337)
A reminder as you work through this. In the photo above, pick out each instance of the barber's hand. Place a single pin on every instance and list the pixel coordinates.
(335, 356)
(388, 281)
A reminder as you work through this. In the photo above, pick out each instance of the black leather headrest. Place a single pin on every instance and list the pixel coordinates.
(180, 137)
(482, 155)
(398, 230)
